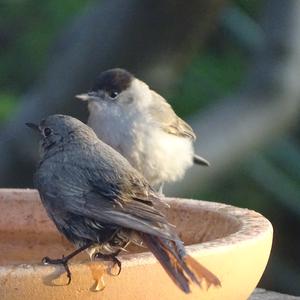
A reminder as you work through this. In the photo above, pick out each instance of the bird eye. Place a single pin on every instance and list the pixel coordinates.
(113, 94)
(47, 131)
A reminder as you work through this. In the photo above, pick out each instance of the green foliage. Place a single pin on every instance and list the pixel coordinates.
(7, 104)
(27, 29)
(209, 77)
(253, 8)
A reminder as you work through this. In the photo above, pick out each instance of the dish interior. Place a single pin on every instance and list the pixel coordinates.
(27, 234)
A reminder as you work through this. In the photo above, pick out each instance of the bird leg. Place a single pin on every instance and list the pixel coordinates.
(65, 260)
(113, 258)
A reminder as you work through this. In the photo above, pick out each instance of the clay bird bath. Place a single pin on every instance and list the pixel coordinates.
(231, 242)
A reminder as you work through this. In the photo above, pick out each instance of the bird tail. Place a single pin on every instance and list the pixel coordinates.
(200, 161)
(181, 267)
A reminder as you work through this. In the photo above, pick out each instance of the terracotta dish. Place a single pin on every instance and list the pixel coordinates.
(233, 243)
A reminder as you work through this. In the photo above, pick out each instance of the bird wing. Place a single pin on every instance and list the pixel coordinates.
(162, 112)
(106, 190)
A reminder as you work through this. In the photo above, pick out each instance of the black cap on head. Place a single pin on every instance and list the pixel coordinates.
(113, 80)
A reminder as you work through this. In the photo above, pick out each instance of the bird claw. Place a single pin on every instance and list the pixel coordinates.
(61, 261)
(112, 258)
(119, 264)
(45, 260)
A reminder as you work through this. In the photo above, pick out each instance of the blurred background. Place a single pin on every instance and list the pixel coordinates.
(230, 68)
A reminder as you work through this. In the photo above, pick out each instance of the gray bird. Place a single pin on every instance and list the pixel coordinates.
(102, 204)
(140, 124)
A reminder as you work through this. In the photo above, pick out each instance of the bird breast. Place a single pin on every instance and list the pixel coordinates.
(158, 155)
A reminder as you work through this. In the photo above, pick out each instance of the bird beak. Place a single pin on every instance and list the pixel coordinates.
(83, 97)
(33, 126)
(201, 161)
(90, 96)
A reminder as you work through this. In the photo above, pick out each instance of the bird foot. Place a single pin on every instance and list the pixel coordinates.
(65, 260)
(61, 261)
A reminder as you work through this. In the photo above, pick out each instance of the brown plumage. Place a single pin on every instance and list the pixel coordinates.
(181, 267)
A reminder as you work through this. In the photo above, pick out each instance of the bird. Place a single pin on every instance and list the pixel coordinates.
(101, 204)
(139, 123)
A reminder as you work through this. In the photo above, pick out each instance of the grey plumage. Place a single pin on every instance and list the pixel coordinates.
(94, 196)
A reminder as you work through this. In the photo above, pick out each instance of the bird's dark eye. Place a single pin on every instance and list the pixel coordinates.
(113, 94)
(47, 131)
